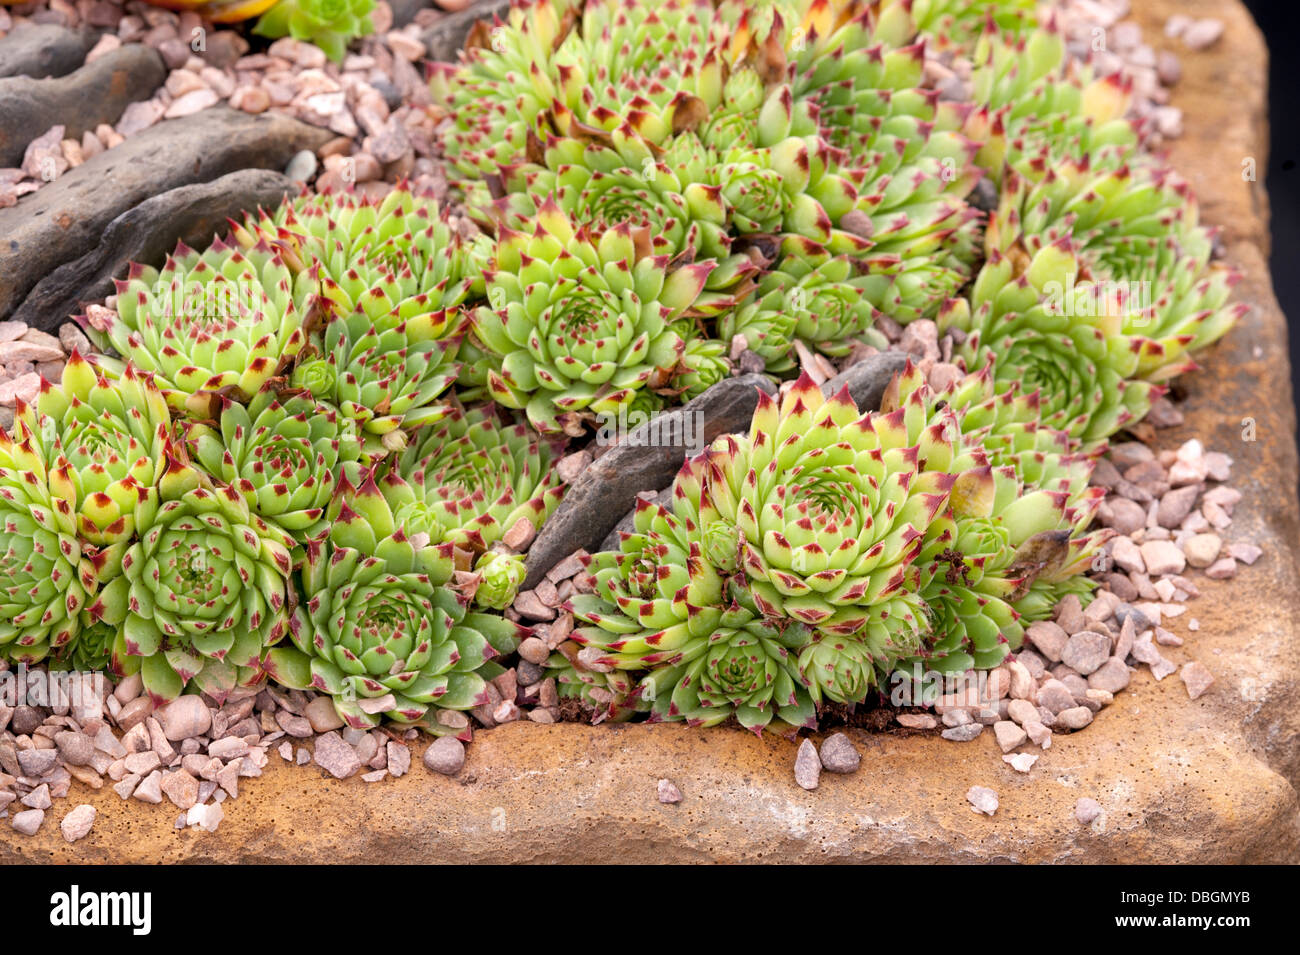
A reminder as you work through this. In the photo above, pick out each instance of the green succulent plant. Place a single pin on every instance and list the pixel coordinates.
(470, 478)
(45, 579)
(109, 439)
(380, 631)
(660, 606)
(811, 296)
(1045, 331)
(501, 577)
(282, 454)
(384, 366)
(580, 326)
(827, 509)
(224, 321)
(603, 692)
(330, 24)
(347, 247)
(209, 589)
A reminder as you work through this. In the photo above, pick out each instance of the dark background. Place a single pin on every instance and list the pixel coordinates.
(1280, 22)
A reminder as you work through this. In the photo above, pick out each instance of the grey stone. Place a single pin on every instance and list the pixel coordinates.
(606, 490)
(97, 93)
(148, 233)
(38, 50)
(868, 379)
(807, 766)
(335, 756)
(445, 755)
(839, 755)
(66, 219)
(1086, 651)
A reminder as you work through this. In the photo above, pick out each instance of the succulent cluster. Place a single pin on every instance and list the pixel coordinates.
(314, 445)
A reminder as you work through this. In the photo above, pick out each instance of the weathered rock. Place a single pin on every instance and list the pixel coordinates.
(96, 93)
(66, 219)
(867, 379)
(445, 755)
(839, 755)
(807, 766)
(445, 38)
(76, 824)
(336, 757)
(184, 717)
(607, 489)
(38, 50)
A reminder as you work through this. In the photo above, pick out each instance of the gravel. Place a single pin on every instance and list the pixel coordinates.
(807, 766)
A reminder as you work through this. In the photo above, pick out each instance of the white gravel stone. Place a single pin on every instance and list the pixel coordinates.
(807, 766)
(76, 824)
(982, 799)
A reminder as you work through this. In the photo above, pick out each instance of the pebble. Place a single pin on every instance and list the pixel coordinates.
(807, 766)
(1196, 677)
(1244, 552)
(839, 755)
(1075, 718)
(322, 715)
(181, 788)
(1055, 696)
(1021, 762)
(963, 734)
(150, 790)
(38, 798)
(916, 721)
(668, 792)
(76, 824)
(1202, 34)
(1086, 810)
(445, 755)
(28, 822)
(1086, 651)
(1202, 549)
(1222, 569)
(1050, 638)
(1039, 734)
(37, 762)
(335, 756)
(1008, 734)
(1069, 615)
(206, 816)
(302, 166)
(399, 759)
(1127, 555)
(982, 799)
(1162, 557)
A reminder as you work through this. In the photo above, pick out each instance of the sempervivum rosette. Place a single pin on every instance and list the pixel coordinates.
(471, 477)
(282, 453)
(1029, 94)
(330, 24)
(209, 590)
(44, 578)
(580, 327)
(109, 439)
(345, 245)
(957, 24)
(824, 511)
(1046, 331)
(810, 295)
(661, 606)
(380, 631)
(1016, 520)
(384, 366)
(223, 321)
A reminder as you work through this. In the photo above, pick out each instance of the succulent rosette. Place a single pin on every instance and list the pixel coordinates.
(380, 631)
(824, 510)
(1134, 229)
(109, 439)
(330, 24)
(1045, 331)
(958, 24)
(384, 366)
(603, 693)
(346, 246)
(810, 295)
(209, 589)
(580, 326)
(1030, 95)
(471, 477)
(661, 606)
(500, 577)
(45, 578)
(223, 321)
(283, 454)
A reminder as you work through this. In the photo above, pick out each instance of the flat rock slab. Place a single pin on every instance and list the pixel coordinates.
(1178, 781)
(647, 459)
(64, 220)
(39, 50)
(147, 234)
(96, 93)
